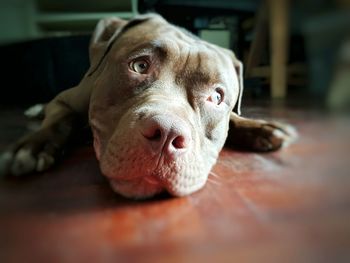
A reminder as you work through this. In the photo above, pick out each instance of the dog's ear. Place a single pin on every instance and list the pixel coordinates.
(238, 65)
(104, 32)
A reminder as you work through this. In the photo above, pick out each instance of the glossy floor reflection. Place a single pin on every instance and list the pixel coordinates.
(289, 206)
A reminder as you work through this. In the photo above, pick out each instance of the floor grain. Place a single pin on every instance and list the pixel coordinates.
(289, 206)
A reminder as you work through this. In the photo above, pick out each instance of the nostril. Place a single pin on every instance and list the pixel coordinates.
(163, 134)
(154, 135)
(179, 142)
(157, 135)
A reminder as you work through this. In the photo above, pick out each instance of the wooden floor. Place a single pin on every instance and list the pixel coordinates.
(288, 206)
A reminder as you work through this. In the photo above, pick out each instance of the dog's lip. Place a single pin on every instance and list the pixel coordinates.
(138, 189)
(151, 180)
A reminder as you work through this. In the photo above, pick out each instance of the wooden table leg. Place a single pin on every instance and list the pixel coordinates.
(258, 46)
(278, 12)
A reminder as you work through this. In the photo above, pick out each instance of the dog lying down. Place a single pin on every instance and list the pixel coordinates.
(159, 102)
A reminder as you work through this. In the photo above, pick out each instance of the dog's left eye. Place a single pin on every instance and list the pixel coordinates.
(216, 97)
(139, 66)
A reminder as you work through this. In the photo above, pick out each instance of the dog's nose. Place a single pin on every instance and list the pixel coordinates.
(166, 134)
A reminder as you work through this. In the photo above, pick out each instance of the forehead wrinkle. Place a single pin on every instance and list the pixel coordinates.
(225, 73)
(198, 68)
(229, 68)
(152, 48)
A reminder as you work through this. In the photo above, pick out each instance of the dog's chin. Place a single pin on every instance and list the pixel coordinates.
(143, 188)
(138, 176)
(137, 188)
(135, 172)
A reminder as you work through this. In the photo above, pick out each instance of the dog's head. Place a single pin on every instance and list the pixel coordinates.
(160, 105)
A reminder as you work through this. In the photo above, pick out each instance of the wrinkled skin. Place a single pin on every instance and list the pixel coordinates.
(182, 76)
(159, 102)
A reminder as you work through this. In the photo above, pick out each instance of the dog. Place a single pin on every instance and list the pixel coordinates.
(159, 102)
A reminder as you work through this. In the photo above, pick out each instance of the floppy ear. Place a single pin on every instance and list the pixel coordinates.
(239, 71)
(255, 135)
(104, 32)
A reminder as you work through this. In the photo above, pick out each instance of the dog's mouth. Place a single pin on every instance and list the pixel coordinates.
(140, 187)
(152, 180)
(163, 155)
(149, 185)
(135, 172)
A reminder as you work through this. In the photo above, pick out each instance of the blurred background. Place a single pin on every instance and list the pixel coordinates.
(291, 205)
(293, 50)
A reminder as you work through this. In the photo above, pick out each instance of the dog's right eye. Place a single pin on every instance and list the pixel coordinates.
(140, 66)
(216, 97)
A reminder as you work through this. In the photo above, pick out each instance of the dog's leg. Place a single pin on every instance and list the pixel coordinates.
(39, 150)
(259, 135)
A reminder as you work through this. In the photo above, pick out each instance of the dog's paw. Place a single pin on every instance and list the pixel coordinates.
(34, 153)
(36, 111)
(273, 136)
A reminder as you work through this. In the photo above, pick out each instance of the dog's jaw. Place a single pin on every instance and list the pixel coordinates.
(139, 188)
(148, 185)
(137, 170)
(135, 173)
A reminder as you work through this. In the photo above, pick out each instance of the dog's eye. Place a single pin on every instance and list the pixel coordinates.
(140, 66)
(217, 96)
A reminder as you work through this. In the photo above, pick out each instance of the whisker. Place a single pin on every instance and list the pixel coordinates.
(214, 174)
(211, 181)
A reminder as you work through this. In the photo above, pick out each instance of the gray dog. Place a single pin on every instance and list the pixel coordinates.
(159, 102)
